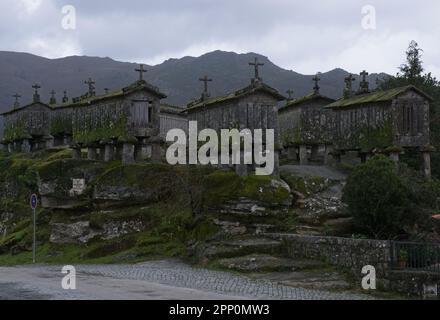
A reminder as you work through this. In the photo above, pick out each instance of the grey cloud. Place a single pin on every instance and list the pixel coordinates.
(305, 36)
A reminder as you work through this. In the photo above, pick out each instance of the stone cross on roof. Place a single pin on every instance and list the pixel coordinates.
(348, 85)
(36, 95)
(290, 93)
(364, 84)
(316, 79)
(53, 100)
(141, 71)
(16, 103)
(205, 79)
(256, 64)
(36, 87)
(65, 98)
(91, 85)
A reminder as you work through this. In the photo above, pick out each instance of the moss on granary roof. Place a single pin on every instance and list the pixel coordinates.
(115, 94)
(377, 96)
(308, 98)
(87, 101)
(167, 108)
(259, 86)
(25, 107)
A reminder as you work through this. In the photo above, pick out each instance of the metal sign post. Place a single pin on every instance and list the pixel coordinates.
(34, 203)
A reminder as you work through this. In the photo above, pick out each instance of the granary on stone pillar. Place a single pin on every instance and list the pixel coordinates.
(128, 118)
(252, 107)
(302, 123)
(27, 127)
(391, 121)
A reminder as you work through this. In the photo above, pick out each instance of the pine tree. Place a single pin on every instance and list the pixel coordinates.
(412, 69)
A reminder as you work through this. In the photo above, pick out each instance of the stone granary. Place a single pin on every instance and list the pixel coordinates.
(252, 107)
(392, 121)
(124, 123)
(301, 124)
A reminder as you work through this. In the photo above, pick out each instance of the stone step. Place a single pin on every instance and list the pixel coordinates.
(256, 263)
(239, 247)
(313, 279)
(309, 230)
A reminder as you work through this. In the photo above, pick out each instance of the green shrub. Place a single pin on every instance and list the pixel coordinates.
(385, 201)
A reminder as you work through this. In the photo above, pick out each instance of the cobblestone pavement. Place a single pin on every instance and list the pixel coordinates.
(184, 281)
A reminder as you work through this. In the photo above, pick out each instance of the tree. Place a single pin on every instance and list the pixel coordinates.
(413, 68)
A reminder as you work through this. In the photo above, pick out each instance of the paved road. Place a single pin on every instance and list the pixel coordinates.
(148, 281)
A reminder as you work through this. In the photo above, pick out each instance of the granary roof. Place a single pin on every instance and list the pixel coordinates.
(254, 87)
(167, 108)
(118, 93)
(308, 98)
(25, 107)
(377, 96)
(89, 100)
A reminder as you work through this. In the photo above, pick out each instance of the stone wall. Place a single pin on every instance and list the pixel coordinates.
(352, 254)
(415, 283)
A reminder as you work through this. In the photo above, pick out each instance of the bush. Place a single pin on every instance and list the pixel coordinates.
(384, 200)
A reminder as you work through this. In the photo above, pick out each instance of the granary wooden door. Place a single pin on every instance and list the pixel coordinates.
(141, 113)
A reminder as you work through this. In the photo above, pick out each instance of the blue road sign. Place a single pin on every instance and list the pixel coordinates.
(34, 201)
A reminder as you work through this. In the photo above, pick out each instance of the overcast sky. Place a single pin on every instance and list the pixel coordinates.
(305, 36)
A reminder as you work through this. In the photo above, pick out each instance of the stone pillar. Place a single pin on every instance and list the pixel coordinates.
(109, 152)
(315, 152)
(101, 152)
(242, 168)
(291, 153)
(303, 155)
(138, 154)
(76, 153)
(394, 155)
(49, 141)
(91, 153)
(26, 146)
(148, 151)
(276, 164)
(328, 159)
(118, 152)
(156, 149)
(426, 155)
(127, 153)
(10, 147)
(67, 139)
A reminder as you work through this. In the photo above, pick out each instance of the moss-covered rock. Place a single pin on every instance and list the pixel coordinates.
(308, 185)
(223, 186)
